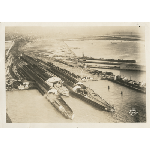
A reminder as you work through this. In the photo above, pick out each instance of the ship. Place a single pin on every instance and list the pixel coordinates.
(88, 95)
(47, 90)
(74, 87)
(57, 101)
(62, 89)
(57, 83)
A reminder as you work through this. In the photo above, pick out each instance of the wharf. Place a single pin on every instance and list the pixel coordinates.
(124, 82)
(70, 80)
(138, 89)
(110, 60)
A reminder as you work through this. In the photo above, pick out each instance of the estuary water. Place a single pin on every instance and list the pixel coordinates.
(29, 106)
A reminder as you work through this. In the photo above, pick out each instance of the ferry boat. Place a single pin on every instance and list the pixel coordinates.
(57, 101)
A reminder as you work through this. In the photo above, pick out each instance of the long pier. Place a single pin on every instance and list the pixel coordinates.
(110, 60)
(131, 86)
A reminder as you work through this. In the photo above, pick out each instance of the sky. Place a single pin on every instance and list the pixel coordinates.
(78, 30)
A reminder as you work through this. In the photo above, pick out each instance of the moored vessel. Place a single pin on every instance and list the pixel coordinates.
(88, 95)
(57, 83)
(57, 101)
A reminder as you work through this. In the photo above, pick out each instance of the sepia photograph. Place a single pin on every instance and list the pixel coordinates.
(75, 74)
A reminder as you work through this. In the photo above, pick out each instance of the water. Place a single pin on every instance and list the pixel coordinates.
(29, 106)
(104, 49)
(132, 50)
(122, 103)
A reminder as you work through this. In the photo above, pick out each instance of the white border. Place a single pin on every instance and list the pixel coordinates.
(75, 125)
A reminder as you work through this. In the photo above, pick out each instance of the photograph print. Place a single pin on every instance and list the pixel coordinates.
(75, 74)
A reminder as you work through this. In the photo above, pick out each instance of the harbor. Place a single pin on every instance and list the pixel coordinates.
(74, 90)
(69, 80)
(38, 109)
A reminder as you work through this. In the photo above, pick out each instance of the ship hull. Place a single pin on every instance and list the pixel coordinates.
(89, 100)
(65, 114)
(61, 106)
